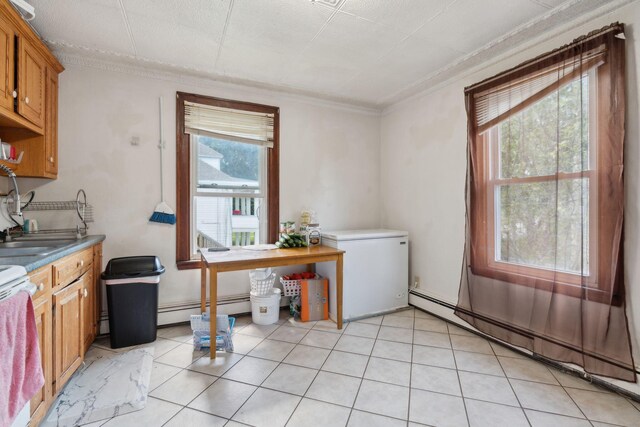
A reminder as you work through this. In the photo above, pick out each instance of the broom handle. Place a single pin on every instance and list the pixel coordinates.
(161, 146)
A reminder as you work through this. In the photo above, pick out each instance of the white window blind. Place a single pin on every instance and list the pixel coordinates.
(229, 124)
(499, 103)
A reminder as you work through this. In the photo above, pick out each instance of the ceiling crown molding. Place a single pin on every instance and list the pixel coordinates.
(552, 24)
(81, 56)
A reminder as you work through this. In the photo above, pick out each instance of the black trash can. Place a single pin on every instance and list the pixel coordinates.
(132, 299)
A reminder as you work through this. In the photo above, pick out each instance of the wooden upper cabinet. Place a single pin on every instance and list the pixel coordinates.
(51, 123)
(31, 83)
(7, 46)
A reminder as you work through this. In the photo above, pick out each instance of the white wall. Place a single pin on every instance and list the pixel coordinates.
(423, 152)
(329, 162)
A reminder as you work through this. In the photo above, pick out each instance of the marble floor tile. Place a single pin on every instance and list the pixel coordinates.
(437, 409)
(572, 381)
(375, 320)
(191, 418)
(433, 339)
(259, 331)
(181, 333)
(389, 333)
(161, 373)
(267, 408)
(434, 356)
(183, 387)
(392, 350)
(346, 363)
(367, 419)
(606, 407)
(485, 414)
(365, 330)
(383, 399)
(288, 334)
(545, 419)
(328, 326)
(320, 339)
(432, 378)
(181, 356)
(545, 398)
(155, 413)
(398, 321)
(501, 350)
(477, 362)
(353, 344)
(309, 357)
(218, 366)
(527, 369)
(388, 371)
(272, 350)
(243, 344)
(290, 379)
(472, 344)
(433, 325)
(334, 388)
(251, 370)
(319, 414)
(488, 388)
(223, 398)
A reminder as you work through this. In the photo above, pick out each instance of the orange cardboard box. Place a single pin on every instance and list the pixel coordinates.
(314, 299)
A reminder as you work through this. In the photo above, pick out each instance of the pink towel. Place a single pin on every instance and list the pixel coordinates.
(20, 368)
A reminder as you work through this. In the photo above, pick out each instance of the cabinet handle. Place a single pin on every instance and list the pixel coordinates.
(80, 263)
(85, 293)
(41, 287)
(51, 159)
(14, 94)
(26, 99)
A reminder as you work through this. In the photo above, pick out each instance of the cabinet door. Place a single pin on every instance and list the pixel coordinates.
(7, 43)
(31, 83)
(68, 331)
(89, 309)
(40, 402)
(51, 123)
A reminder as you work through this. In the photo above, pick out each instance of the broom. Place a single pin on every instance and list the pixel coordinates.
(163, 212)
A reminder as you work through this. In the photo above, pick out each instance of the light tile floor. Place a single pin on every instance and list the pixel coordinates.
(403, 369)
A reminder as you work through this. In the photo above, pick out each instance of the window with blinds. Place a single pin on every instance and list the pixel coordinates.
(231, 148)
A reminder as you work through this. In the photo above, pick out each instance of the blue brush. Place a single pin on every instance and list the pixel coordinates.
(163, 213)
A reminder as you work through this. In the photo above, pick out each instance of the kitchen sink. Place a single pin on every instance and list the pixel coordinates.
(32, 247)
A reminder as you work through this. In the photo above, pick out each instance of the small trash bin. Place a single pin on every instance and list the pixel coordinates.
(132, 299)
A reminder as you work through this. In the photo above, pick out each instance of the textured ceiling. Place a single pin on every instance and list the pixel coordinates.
(369, 52)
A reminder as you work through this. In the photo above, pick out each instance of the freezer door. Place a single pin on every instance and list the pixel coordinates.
(376, 276)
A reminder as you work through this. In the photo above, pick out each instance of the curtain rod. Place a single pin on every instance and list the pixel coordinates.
(616, 26)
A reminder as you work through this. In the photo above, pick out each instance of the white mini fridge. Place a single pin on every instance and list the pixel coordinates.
(375, 272)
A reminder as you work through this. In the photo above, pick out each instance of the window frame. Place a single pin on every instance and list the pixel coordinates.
(184, 173)
(483, 220)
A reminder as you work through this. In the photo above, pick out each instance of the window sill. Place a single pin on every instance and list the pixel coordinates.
(191, 264)
(589, 293)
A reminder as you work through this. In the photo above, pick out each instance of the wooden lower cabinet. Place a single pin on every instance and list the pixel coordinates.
(67, 310)
(68, 327)
(40, 402)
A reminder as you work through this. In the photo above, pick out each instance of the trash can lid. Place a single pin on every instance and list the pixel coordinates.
(132, 267)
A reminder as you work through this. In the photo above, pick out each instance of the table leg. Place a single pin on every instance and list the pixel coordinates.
(213, 308)
(339, 289)
(203, 287)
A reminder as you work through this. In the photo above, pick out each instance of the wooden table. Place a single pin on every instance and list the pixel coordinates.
(244, 259)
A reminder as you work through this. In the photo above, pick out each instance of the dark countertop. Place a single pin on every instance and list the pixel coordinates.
(34, 262)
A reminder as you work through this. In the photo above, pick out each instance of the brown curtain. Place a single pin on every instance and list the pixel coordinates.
(543, 262)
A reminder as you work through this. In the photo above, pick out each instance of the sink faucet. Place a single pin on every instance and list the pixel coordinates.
(16, 198)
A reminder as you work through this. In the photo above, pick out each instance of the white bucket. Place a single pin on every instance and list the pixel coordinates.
(265, 309)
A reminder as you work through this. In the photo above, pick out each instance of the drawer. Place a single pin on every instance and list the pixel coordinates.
(71, 267)
(42, 278)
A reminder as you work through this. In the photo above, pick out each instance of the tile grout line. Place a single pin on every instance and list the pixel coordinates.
(411, 370)
(455, 362)
(510, 385)
(355, 399)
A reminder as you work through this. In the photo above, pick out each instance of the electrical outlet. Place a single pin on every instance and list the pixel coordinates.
(416, 281)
